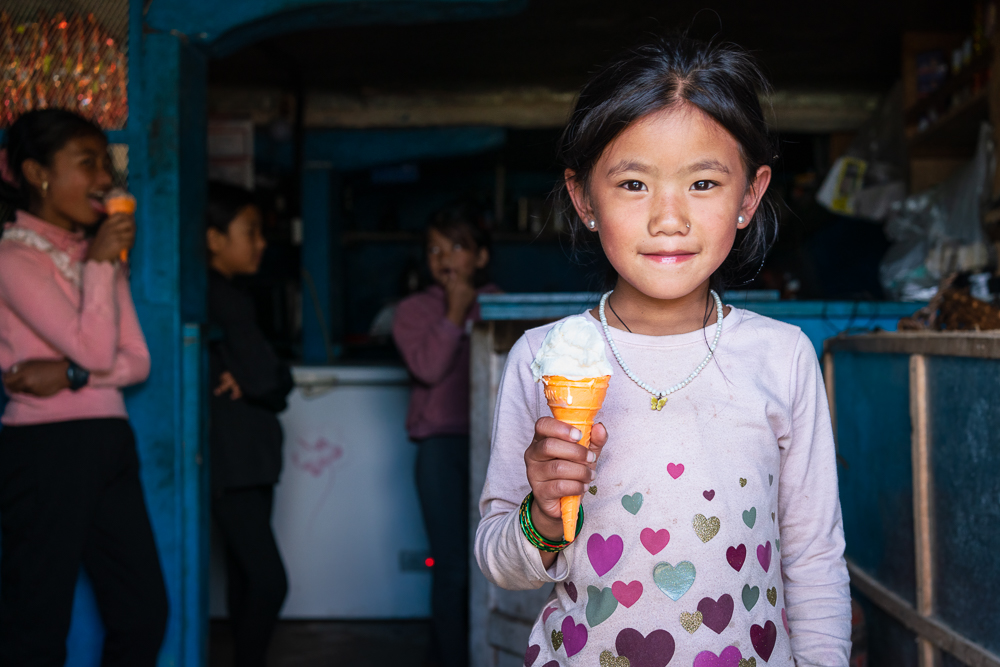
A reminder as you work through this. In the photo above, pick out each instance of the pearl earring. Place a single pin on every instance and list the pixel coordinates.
(45, 187)
(592, 224)
(739, 220)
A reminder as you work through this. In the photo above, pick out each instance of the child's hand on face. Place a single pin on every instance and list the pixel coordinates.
(461, 295)
(227, 383)
(117, 233)
(558, 466)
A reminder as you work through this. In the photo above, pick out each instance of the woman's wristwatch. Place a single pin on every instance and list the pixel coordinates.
(78, 376)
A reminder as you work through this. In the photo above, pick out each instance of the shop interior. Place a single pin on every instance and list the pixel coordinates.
(355, 126)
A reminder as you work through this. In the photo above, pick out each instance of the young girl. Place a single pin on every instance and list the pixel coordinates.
(712, 533)
(250, 386)
(431, 330)
(69, 341)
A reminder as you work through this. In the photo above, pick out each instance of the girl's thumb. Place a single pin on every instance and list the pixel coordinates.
(598, 438)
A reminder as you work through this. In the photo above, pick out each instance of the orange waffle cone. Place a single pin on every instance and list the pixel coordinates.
(120, 202)
(575, 402)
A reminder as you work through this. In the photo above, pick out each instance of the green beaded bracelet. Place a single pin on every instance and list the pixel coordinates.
(538, 541)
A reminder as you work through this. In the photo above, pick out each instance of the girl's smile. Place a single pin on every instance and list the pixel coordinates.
(668, 257)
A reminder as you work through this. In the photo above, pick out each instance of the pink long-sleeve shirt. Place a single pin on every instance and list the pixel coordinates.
(712, 532)
(45, 315)
(436, 352)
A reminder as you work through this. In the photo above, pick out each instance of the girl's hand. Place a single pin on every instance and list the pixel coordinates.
(37, 377)
(117, 233)
(461, 295)
(558, 466)
(228, 383)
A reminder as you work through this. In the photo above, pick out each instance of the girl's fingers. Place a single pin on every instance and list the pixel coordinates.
(554, 448)
(549, 427)
(559, 470)
(598, 438)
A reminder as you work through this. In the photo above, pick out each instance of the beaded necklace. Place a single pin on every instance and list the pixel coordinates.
(659, 398)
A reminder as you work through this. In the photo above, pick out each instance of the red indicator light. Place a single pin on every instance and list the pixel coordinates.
(63, 25)
(429, 562)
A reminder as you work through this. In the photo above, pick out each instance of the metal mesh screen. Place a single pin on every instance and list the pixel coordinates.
(65, 53)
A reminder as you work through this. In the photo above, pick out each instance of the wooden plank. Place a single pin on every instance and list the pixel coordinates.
(831, 394)
(978, 344)
(923, 521)
(481, 401)
(939, 634)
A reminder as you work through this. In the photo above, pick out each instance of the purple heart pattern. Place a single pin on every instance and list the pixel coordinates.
(730, 657)
(763, 638)
(716, 614)
(574, 636)
(531, 655)
(604, 554)
(654, 650)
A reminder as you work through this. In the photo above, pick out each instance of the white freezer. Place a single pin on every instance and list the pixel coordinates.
(346, 514)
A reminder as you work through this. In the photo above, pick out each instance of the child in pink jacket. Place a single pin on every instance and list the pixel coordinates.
(69, 341)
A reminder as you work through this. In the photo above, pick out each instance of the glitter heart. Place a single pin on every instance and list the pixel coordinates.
(601, 603)
(632, 503)
(772, 595)
(752, 662)
(531, 655)
(743, 481)
(750, 517)
(556, 639)
(691, 622)
(593, 490)
(704, 528)
(608, 659)
(674, 581)
(750, 596)
(709, 494)
(675, 470)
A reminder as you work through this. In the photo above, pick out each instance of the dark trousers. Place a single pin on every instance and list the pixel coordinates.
(256, 581)
(69, 496)
(443, 486)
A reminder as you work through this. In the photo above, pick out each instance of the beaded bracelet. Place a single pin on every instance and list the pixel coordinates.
(537, 541)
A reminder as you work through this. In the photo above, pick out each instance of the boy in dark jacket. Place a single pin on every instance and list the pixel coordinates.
(251, 385)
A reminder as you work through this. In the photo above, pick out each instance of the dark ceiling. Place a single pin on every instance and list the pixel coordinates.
(845, 45)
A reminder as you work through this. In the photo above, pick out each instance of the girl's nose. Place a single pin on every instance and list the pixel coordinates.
(668, 215)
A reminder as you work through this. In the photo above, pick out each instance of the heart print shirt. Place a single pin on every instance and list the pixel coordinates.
(712, 533)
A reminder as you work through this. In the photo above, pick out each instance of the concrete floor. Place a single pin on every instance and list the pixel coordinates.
(326, 643)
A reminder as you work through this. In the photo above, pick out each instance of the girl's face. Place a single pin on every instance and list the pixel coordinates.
(450, 260)
(70, 190)
(666, 195)
(239, 251)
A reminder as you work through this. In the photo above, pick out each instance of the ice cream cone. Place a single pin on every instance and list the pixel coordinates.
(119, 201)
(575, 402)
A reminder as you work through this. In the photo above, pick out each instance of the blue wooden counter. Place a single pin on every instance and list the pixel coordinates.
(819, 320)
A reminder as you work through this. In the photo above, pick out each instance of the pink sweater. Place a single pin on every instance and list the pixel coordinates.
(436, 352)
(45, 314)
(712, 533)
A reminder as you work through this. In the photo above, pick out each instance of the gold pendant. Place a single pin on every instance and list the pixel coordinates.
(657, 403)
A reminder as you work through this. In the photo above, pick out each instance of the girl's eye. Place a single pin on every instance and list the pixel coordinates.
(634, 186)
(703, 185)
(457, 247)
(434, 250)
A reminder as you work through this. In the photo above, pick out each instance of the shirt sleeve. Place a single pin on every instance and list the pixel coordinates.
(132, 362)
(246, 353)
(88, 334)
(504, 554)
(814, 572)
(428, 342)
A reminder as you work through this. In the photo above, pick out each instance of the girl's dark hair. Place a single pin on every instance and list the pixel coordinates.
(224, 203)
(38, 135)
(459, 224)
(720, 79)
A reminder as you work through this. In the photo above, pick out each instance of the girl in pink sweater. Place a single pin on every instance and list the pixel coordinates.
(712, 533)
(69, 341)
